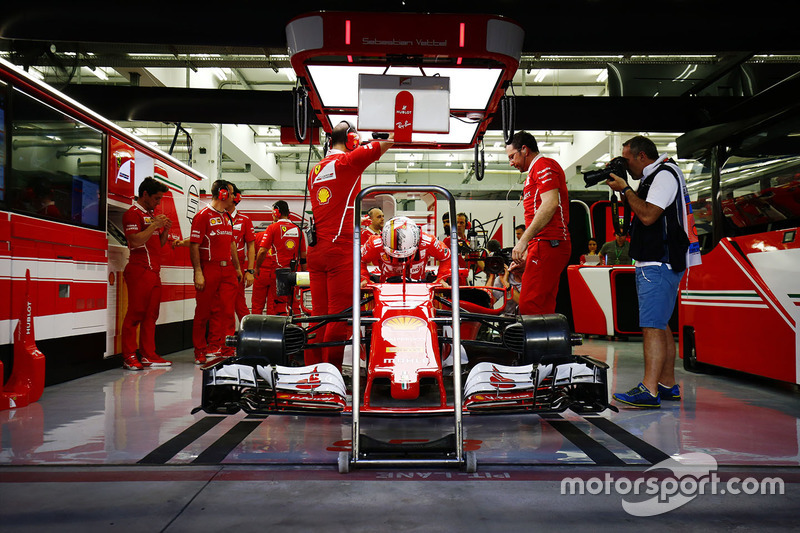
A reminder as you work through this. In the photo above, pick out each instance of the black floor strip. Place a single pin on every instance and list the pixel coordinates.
(170, 449)
(226, 443)
(598, 453)
(647, 451)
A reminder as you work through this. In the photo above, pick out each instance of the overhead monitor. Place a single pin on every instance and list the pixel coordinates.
(420, 104)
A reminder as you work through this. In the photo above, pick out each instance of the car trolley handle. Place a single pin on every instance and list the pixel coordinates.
(454, 294)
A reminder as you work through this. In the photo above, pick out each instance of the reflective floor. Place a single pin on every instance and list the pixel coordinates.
(121, 449)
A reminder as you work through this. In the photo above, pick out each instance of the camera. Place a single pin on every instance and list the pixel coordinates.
(618, 166)
(496, 263)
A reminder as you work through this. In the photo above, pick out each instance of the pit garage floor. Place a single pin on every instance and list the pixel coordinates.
(121, 451)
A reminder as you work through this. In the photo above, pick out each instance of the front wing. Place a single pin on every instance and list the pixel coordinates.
(233, 385)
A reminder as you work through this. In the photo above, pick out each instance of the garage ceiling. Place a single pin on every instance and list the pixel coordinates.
(703, 71)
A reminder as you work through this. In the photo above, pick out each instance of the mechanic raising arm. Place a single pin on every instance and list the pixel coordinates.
(333, 185)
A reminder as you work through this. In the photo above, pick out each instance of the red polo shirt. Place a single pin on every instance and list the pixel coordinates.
(214, 232)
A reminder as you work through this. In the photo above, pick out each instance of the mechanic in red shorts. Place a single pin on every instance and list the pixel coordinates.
(545, 245)
(147, 234)
(216, 273)
(333, 185)
(403, 250)
(282, 243)
(245, 237)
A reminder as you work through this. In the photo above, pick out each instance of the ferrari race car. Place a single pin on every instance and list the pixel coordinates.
(402, 334)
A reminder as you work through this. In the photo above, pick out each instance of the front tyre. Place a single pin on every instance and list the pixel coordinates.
(690, 363)
(470, 462)
(344, 462)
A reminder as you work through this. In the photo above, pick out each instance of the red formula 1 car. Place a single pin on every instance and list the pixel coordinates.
(518, 364)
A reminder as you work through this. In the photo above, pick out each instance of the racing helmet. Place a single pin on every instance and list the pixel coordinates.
(400, 237)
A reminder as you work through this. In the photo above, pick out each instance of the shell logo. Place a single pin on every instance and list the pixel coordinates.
(324, 195)
(289, 244)
(406, 323)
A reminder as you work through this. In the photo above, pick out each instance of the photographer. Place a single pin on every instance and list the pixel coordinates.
(660, 247)
(508, 276)
(544, 247)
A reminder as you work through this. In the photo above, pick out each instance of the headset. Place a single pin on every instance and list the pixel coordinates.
(223, 193)
(351, 142)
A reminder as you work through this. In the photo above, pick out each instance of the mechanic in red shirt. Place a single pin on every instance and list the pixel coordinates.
(281, 244)
(375, 225)
(545, 245)
(463, 247)
(216, 273)
(265, 275)
(245, 237)
(403, 250)
(333, 185)
(146, 233)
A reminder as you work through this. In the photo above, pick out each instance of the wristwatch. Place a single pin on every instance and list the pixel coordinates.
(628, 187)
(250, 271)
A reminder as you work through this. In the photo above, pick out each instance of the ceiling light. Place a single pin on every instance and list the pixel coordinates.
(470, 88)
(36, 73)
(289, 73)
(100, 73)
(541, 75)
(219, 73)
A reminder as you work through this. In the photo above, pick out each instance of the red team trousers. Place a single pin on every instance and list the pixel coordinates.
(261, 290)
(240, 306)
(215, 307)
(330, 267)
(265, 295)
(543, 267)
(144, 299)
